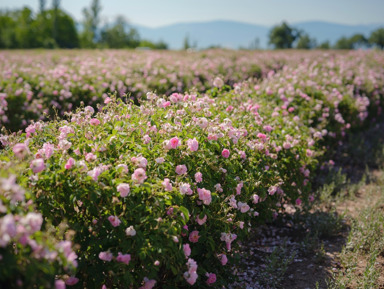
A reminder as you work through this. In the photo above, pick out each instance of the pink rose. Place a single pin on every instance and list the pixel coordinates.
(20, 150)
(194, 236)
(193, 145)
(167, 185)
(187, 250)
(173, 143)
(198, 177)
(201, 221)
(181, 169)
(72, 281)
(37, 165)
(139, 175)
(115, 221)
(225, 153)
(106, 256)
(126, 258)
(69, 163)
(123, 189)
(211, 278)
(94, 121)
(205, 196)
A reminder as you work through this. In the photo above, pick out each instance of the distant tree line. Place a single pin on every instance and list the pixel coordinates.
(53, 28)
(284, 36)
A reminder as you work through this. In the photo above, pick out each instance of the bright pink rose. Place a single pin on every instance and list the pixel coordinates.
(173, 143)
(70, 163)
(225, 153)
(115, 221)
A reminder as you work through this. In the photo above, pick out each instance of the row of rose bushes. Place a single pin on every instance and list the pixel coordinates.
(160, 194)
(34, 85)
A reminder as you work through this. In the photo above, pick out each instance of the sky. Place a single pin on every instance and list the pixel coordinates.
(156, 13)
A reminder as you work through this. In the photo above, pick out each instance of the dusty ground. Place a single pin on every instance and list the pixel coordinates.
(287, 255)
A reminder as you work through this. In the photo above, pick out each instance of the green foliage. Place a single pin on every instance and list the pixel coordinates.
(377, 38)
(305, 42)
(282, 36)
(48, 29)
(116, 36)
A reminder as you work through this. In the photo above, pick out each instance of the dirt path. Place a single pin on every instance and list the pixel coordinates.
(339, 244)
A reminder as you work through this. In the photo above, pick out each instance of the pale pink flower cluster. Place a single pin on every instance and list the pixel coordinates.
(123, 189)
(205, 196)
(173, 143)
(20, 150)
(191, 275)
(181, 169)
(115, 221)
(193, 145)
(228, 238)
(185, 189)
(37, 165)
(139, 176)
(148, 284)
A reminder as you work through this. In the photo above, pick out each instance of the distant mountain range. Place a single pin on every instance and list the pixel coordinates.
(232, 34)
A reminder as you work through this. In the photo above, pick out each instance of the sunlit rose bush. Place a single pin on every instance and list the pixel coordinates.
(159, 193)
(31, 251)
(172, 221)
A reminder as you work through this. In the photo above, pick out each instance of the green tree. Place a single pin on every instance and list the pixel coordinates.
(324, 45)
(305, 42)
(358, 41)
(343, 43)
(186, 43)
(88, 37)
(117, 37)
(283, 36)
(377, 38)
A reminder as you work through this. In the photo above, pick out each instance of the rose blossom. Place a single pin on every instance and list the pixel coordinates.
(123, 189)
(105, 256)
(115, 221)
(198, 177)
(225, 153)
(194, 236)
(205, 196)
(187, 250)
(20, 150)
(193, 145)
(139, 175)
(37, 165)
(69, 163)
(126, 258)
(181, 169)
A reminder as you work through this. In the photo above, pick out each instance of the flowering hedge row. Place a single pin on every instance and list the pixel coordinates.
(158, 194)
(35, 85)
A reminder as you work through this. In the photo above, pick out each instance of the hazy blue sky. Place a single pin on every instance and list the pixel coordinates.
(156, 13)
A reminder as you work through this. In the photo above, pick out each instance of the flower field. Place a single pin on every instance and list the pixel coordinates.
(156, 164)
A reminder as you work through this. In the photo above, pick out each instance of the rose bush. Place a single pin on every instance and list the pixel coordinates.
(159, 194)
